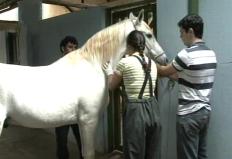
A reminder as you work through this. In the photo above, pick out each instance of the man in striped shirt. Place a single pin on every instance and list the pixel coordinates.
(194, 67)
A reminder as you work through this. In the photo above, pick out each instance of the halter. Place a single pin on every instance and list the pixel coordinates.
(149, 49)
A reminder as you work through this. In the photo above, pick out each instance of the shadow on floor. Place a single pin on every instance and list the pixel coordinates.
(26, 143)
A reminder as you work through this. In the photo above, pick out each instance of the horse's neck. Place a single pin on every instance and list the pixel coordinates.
(95, 59)
(107, 45)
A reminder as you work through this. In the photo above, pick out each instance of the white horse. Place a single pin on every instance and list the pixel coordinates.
(72, 89)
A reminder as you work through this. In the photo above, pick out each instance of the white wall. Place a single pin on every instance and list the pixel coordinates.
(11, 15)
(46, 35)
(169, 12)
(218, 35)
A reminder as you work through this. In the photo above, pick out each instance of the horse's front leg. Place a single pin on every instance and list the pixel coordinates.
(88, 131)
(2, 117)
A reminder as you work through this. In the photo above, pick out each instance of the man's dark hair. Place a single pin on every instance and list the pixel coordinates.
(192, 21)
(136, 39)
(66, 40)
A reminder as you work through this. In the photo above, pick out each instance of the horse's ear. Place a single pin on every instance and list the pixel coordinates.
(140, 17)
(131, 16)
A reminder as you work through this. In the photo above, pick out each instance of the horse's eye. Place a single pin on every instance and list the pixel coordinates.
(149, 36)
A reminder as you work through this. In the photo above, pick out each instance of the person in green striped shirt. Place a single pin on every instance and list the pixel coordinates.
(141, 122)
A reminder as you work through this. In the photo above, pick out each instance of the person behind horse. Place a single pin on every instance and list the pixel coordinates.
(194, 67)
(141, 121)
(68, 44)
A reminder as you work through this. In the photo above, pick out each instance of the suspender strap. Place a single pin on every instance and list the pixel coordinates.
(147, 70)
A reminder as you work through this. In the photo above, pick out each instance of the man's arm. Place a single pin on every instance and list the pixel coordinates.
(167, 71)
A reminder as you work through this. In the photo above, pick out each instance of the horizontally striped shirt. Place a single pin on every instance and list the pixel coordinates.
(196, 68)
(133, 76)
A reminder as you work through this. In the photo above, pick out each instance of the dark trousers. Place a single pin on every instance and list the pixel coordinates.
(191, 135)
(62, 140)
(141, 129)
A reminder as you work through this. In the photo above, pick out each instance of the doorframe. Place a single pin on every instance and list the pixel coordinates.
(12, 30)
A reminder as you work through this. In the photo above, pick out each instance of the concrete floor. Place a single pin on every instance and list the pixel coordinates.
(26, 143)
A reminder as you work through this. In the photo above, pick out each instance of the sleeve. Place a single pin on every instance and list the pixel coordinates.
(181, 61)
(120, 67)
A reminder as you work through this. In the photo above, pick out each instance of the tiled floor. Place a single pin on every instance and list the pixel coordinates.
(26, 143)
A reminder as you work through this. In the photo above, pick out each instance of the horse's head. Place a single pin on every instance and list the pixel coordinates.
(153, 49)
(109, 44)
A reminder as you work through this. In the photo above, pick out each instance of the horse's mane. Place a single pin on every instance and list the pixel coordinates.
(105, 43)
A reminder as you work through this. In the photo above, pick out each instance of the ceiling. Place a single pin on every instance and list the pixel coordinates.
(72, 5)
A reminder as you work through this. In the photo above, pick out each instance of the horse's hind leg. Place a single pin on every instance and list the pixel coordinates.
(2, 117)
